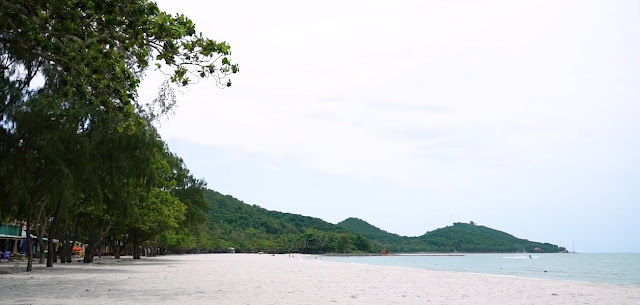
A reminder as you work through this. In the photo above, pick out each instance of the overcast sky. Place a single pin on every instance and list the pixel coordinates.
(519, 115)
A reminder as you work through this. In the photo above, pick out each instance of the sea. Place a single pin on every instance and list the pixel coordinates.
(617, 269)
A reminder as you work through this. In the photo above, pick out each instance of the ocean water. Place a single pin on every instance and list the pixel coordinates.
(619, 269)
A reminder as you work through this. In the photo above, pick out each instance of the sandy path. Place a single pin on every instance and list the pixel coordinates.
(266, 279)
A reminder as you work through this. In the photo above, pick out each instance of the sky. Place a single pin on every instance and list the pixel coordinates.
(522, 116)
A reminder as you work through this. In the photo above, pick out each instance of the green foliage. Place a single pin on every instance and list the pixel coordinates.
(369, 231)
(76, 147)
(460, 237)
(250, 228)
(463, 237)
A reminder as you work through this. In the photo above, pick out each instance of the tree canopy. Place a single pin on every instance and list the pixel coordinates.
(78, 151)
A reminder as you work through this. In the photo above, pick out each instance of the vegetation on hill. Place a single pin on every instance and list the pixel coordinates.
(370, 231)
(460, 237)
(463, 237)
(250, 228)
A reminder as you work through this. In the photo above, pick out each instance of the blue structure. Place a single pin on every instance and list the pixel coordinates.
(10, 236)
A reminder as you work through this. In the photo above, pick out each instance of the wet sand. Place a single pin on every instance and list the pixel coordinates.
(280, 279)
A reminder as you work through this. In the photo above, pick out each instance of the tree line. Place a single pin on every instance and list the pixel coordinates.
(80, 158)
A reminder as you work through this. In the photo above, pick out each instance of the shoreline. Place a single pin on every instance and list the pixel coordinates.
(393, 254)
(280, 279)
(20, 266)
(593, 268)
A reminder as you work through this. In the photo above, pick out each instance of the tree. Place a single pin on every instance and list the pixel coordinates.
(78, 124)
(101, 48)
(344, 242)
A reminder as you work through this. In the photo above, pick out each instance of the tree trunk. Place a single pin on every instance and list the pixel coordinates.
(29, 247)
(63, 247)
(69, 253)
(116, 248)
(65, 253)
(52, 230)
(94, 239)
(136, 245)
(50, 252)
(88, 253)
(40, 229)
(41, 247)
(41, 221)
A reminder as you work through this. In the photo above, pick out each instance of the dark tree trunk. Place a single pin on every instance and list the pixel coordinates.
(136, 245)
(52, 229)
(41, 246)
(116, 248)
(94, 240)
(63, 247)
(88, 253)
(68, 256)
(65, 256)
(29, 247)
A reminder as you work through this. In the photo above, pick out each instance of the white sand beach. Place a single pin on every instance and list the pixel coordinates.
(280, 279)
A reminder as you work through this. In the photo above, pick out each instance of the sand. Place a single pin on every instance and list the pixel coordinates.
(280, 279)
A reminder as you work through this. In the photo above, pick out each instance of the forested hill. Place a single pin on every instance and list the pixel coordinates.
(469, 237)
(250, 228)
(460, 237)
(370, 231)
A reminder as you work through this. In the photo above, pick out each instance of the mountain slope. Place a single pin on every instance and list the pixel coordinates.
(460, 237)
(250, 228)
(370, 231)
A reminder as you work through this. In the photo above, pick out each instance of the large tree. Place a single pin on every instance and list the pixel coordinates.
(68, 103)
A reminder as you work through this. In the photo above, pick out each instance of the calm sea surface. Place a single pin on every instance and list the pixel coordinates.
(621, 269)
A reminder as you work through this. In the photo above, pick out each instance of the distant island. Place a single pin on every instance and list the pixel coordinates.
(236, 225)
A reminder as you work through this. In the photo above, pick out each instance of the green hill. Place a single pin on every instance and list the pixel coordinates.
(460, 237)
(370, 231)
(250, 228)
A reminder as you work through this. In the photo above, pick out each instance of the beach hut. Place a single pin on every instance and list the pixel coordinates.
(10, 236)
